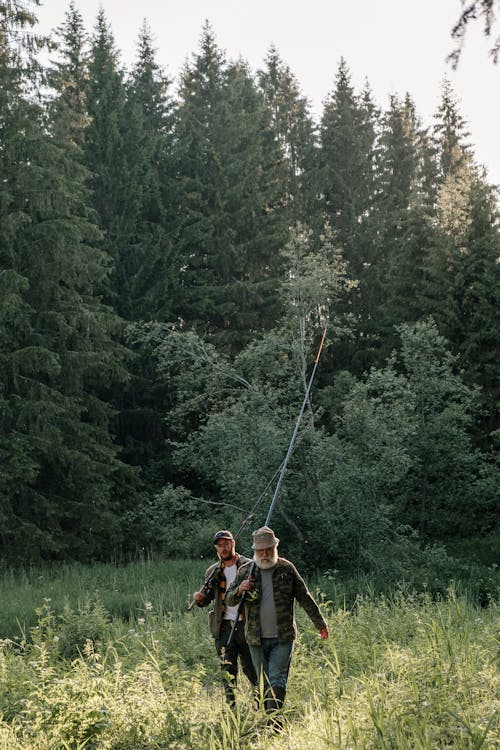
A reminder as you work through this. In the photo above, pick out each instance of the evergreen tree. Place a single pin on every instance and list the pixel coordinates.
(147, 270)
(346, 182)
(69, 76)
(443, 494)
(295, 133)
(18, 465)
(450, 133)
(229, 228)
(57, 351)
(402, 223)
(147, 267)
(346, 164)
(111, 180)
(464, 284)
(400, 229)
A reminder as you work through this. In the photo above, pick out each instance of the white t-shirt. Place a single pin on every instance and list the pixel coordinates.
(230, 575)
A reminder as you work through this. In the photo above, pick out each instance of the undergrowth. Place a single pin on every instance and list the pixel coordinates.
(406, 671)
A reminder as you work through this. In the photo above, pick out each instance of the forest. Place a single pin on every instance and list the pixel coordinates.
(170, 255)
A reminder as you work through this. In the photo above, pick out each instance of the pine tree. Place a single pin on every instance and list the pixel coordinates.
(69, 75)
(464, 271)
(295, 132)
(57, 353)
(18, 465)
(346, 163)
(346, 188)
(229, 200)
(104, 149)
(402, 222)
(450, 134)
(147, 267)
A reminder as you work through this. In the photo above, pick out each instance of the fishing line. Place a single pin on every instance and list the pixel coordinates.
(280, 479)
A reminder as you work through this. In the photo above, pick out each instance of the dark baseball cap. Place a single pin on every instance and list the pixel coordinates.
(223, 534)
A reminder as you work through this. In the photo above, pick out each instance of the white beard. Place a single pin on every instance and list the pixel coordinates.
(267, 564)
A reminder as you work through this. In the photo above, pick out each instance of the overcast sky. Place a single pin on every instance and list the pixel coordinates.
(397, 45)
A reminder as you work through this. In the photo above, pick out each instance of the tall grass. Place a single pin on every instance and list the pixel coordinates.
(407, 671)
(121, 589)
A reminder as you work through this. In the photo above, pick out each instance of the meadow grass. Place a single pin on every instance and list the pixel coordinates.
(121, 589)
(405, 671)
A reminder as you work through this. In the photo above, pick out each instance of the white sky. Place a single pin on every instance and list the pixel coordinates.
(397, 45)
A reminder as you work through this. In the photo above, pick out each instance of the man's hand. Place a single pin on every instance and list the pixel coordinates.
(323, 633)
(246, 585)
(198, 597)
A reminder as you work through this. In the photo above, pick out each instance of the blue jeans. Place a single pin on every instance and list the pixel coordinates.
(272, 660)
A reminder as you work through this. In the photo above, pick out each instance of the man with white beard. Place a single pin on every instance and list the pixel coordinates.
(270, 627)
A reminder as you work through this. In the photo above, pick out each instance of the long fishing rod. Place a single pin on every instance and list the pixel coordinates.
(210, 580)
(280, 479)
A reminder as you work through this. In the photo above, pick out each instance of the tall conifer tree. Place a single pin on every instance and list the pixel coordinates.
(346, 188)
(402, 222)
(59, 354)
(346, 163)
(104, 149)
(295, 132)
(229, 204)
(464, 273)
(147, 262)
(147, 271)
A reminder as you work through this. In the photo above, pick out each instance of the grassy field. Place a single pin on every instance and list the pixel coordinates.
(109, 658)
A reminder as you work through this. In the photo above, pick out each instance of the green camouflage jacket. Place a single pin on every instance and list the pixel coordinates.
(288, 586)
(212, 593)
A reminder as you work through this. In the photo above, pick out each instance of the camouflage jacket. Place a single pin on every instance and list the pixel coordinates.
(288, 586)
(212, 593)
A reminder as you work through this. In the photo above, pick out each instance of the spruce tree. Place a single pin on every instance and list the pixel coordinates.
(229, 200)
(19, 466)
(295, 132)
(146, 266)
(402, 222)
(111, 182)
(58, 353)
(346, 163)
(464, 278)
(346, 189)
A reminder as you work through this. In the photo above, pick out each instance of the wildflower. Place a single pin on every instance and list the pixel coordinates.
(148, 606)
(141, 620)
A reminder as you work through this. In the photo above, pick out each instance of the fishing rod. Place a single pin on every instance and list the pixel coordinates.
(210, 580)
(280, 480)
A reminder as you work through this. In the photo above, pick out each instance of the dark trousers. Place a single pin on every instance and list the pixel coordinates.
(229, 657)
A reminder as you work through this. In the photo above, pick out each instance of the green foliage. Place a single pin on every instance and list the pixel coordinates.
(403, 670)
(122, 590)
(295, 132)
(228, 196)
(74, 631)
(228, 228)
(441, 491)
(397, 435)
(57, 354)
(171, 522)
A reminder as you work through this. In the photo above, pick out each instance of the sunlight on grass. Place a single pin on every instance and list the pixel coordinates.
(408, 672)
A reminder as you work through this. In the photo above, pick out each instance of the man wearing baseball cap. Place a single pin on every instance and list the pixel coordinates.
(269, 615)
(221, 617)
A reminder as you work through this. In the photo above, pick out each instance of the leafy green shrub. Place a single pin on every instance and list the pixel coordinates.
(70, 633)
